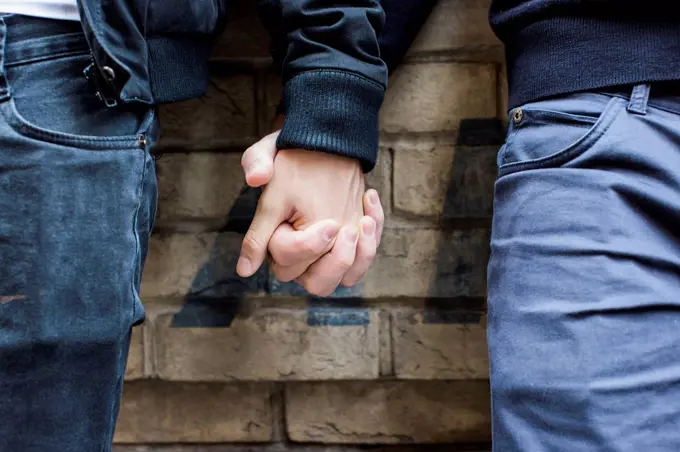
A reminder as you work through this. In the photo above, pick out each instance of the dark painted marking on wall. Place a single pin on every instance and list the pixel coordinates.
(243, 210)
(207, 313)
(450, 310)
(452, 317)
(348, 311)
(217, 292)
(481, 132)
(326, 316)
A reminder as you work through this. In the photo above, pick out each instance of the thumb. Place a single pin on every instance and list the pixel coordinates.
(290, 247)
(258, 161)
(269, 215)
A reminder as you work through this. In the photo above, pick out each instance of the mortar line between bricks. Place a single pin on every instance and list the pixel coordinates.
(399, 221)
(499, 100)
(484, 54)
(231, 145)
(390, 152)
(442, 137)
(170, 305)
(387, 140)
(393, 354)
(242, 63)
(278, 405)
(150, 349)
(233, 447)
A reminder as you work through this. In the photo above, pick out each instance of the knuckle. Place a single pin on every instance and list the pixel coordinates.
(266, 206)
(281, 274)
(251, 243)
(379, 216)
(304, 246)
(350, 282)
(370, 254)
(345, 262)
(276, 252)
(317, 289)
(354, 276)
(282, 257)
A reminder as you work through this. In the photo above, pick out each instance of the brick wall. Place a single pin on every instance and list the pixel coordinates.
(230, 365)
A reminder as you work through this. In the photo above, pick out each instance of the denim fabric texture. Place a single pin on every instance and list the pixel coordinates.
(77, 202)
(584, 275)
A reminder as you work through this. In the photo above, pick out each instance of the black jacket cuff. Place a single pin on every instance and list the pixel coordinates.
(332, 111)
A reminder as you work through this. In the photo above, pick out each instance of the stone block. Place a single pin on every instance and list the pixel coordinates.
(388, 412)
(159, 412)
(320, 343)
(453, 347)
(436, 97)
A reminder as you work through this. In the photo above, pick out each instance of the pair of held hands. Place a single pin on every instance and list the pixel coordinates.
(315, 222)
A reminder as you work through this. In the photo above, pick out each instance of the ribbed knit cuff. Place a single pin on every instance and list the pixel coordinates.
(332, 111)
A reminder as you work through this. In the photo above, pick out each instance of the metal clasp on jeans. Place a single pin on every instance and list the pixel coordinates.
(104, 89)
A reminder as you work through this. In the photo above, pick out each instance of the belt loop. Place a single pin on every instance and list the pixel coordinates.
(639, 98)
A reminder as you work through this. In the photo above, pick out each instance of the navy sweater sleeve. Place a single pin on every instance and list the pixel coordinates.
(330, 57)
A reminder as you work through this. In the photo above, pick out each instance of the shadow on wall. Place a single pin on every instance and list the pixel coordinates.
(217, 294)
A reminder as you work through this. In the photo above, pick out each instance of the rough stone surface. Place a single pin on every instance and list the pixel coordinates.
(446, 181)
(197, 265)
(386, 346)
(388, 412)
(432, 97)
(429, 263)
(418, 263)
(503, 93)
(303, 448)
(380, 178)
(459, 27)
(158, 412)
(226, 113)
(174, 261)
(135, 363)
(198, 187)
(272, 93)
(273, 344)
(453, 348)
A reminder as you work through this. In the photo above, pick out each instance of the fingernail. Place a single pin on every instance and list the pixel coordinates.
(373, 198)
(330, 232)
(243, 265)
(368, 227)
(352, 234)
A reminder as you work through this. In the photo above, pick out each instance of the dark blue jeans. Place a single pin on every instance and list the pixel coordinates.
(584, 276)
(77, 202)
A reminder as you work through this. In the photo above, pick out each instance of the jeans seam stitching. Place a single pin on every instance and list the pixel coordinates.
(19, 124)
(50, 57)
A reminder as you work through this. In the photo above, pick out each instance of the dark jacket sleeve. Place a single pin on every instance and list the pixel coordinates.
(334, 78)
(403, 20)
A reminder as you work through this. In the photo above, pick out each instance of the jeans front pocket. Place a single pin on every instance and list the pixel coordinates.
(52, 102)
(550, 133)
